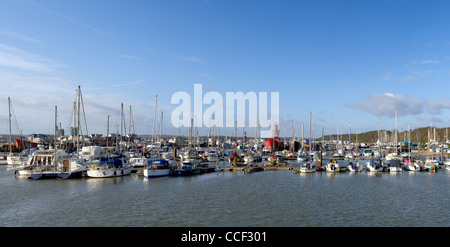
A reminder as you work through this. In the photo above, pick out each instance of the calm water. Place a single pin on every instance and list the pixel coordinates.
(268, 198)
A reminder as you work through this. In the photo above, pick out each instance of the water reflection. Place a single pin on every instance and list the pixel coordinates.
(267, 198)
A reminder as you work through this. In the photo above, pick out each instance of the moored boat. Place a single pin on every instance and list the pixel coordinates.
(333, 166)
(47, 164)
(307, 168)
(115, 166)
(184, 168)
(157, 168)
(352, 167)
(410, 165)
(393, 165)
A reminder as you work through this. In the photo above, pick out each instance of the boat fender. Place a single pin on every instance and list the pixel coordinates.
(94, 167)
(115, 174)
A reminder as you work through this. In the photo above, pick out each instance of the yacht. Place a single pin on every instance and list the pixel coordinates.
(185, 168)
(54, 164)
(114, 166)
(393, 165)
(307, 168)
(374, 166)
(410, 165)
(333, 166)
(352, 167)
(157, 168)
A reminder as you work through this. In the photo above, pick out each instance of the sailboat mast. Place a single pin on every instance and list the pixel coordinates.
(107, 134)
(310, 129)
(56, 129)
(10, 135)
(78, 122)
(154, 119)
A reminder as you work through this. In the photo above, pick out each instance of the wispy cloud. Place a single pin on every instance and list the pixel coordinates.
(133, 57)
(418, 74)
(194, 59)
(386, 104)
(429, 61)
(15, 58)
(73, 20)
(128, 83)
(19, 36)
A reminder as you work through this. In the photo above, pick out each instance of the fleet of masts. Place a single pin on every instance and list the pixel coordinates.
(155, 156)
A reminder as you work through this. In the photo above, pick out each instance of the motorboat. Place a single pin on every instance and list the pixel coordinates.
(50, 163)
(184, 168)
(157, 168)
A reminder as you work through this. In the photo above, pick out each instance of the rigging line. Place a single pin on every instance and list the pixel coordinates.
(84, 113)
(16, 123)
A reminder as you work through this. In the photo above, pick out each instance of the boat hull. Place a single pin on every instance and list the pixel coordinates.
(111, 172)
(151, 173)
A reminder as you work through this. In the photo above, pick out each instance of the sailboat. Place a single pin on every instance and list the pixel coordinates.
(430, 165)
(308, 167)
(410, 165)
(157, 168)
(447, 165)
(374, 166)
(15, 162)
(333, 166)
(352, 167)
(55, 163)
(393, 166)
(212, 156)
(115, 165)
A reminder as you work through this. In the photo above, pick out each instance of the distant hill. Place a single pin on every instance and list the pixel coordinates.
(417, 135)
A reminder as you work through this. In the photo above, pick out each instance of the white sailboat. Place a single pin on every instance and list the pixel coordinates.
(157, 168)
(447, 165)
(374, 166)
(352, 167)
(138, 162)
(410, 165)
(393, 166)
(115, 166)
(307, 168)
(333, 166)
(212, 156)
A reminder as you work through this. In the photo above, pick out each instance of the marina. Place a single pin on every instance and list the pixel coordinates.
(223, 180)
(234, 198)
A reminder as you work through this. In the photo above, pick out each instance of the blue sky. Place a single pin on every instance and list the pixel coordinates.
(347, 62)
